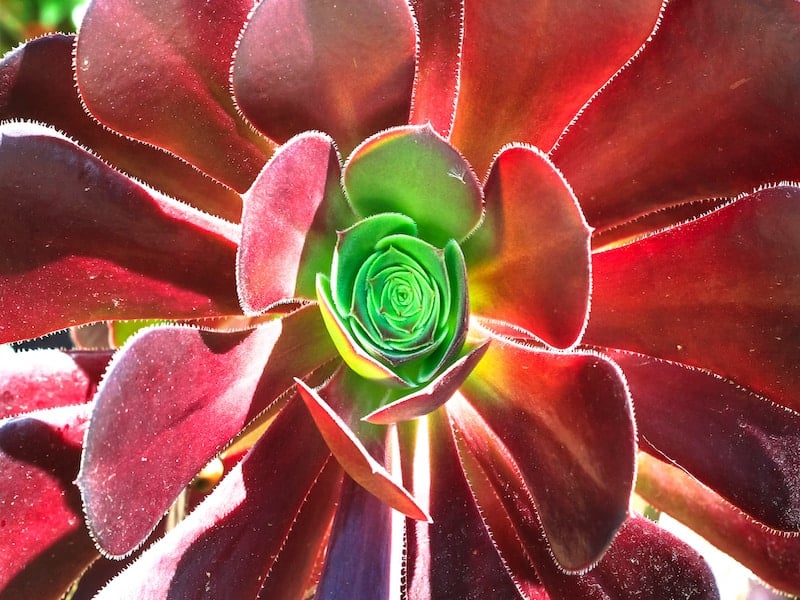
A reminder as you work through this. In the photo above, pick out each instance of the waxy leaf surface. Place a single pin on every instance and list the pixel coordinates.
(721, 293)
(345, 68)
(699, 422)
(226, 547)
(36, 83)
(708, 109)
(81, 242)
(415, 172)
(170, 402)
(289, 223)
(158, 72)
(566, 421)
(529, 263)
(527, 68)
(44, 544)
(772, 556)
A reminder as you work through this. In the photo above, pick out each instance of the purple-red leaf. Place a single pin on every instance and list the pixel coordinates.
(742, 446)
(81, 242)
(158, 72)
(455, 556)
(37, 83)
(227, 546)
(427, 399)
(440, 28)
(529, 263)
(772, 556)
(720, 293)
(528, 67)
(289, 223)
(708, 109)
(173, 397)
(343, 67)
(41, 379)
(566, 422)
(44, 544)
(348, 438)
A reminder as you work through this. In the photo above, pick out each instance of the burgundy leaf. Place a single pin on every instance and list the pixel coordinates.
(742, 446)
(359, 447)
(44, 544)
(566, 422)
(81, 242)
(37, 83)
(772, 556)
(440, 31)
(40, 379)
(158, 72)
(345, 68)
(708, 109)
(227, 546)
(289, 224)
(527, 68)
(173, 397)
(720, 293)
(529, 263)
(454, 557)
(427, 399)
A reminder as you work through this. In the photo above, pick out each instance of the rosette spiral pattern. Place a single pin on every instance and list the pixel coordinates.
(396, 297)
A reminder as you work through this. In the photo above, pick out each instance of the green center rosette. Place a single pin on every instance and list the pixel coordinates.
(395, 305)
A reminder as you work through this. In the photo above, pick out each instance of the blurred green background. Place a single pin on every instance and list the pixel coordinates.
(24, 19)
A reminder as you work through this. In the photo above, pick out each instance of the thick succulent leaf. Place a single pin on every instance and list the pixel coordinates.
(414, 171)
(430, 397)
(453, 557)
(567, 424)
(527, 68)
(359, 447)
(721, 293)
(173, 397)
(440, 27)
(81, 242)
(744, 447)
(289, 224)
(41, 379)
(708, 109)
(673, 569)
(343, 67)
(529, 263)
(44, 544)
(158, 72)
(37, 83)
(772, 556)
(359, 556)
(226, 547)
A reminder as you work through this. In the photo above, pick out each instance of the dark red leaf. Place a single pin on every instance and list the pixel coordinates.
(565, 423)
(173, 397)
(37, 83)
(345, 68)
(226, 547)
(742, 446)
(527, 68)
(158, 72)
(719, 293)
(773, 556)
(529, 262)
(708, 109)
(81, 242)
(44, 544)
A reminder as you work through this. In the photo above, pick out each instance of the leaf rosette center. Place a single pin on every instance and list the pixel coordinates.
(394, 304)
